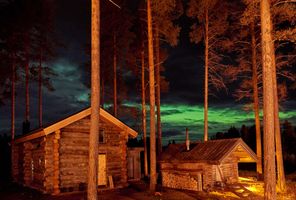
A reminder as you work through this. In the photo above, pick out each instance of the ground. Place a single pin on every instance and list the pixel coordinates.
(139, 191)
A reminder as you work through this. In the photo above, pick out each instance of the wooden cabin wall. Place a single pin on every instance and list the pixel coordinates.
(208, 176)
(73, 156)
(33, 165)
(229, 168)
(48, 163)
(16, 167)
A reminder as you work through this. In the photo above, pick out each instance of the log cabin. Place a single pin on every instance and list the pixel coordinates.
(202, 165)
(54, 159)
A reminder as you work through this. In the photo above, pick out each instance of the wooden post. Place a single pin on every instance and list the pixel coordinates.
(56, 163)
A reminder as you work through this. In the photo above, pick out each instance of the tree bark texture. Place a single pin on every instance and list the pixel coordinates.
(152, 100)
(95, 101)
(281, 180)
(114, 76)
(157, 73)
(144, 111)
(268, 101)
(256, 103)
(206, 74)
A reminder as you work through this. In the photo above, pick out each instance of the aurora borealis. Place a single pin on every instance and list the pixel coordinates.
(181, 106)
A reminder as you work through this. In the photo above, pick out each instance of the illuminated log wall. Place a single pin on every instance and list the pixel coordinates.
(58, 162)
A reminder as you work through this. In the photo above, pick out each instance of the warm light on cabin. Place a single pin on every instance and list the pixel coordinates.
(244, 179)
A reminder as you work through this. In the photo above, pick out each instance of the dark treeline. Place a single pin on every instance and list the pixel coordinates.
(248, 134)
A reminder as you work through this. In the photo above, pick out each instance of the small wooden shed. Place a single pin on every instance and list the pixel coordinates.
(201, 165)
(134, 163)
(55, 159)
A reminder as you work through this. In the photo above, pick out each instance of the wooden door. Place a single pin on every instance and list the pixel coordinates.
(102, 176)
(130, 167)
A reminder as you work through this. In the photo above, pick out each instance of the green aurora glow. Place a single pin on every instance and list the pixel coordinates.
(176, 117)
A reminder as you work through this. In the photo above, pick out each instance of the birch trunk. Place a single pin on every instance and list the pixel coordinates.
(152, 100)
(206, 75)
(268, 101)
(157, 73)
(95, 101)
(144, 111)
(256, 104)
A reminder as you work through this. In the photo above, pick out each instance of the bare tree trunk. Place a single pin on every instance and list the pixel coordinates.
(40, 88)
(144, 111)
(152, 100)
(256, 104)
(12, 113)
(13, 98)
(268, 101)
(114, 76)
(27, 113)
(95, 101)
(206, 75)
(281, 180)
(157, 73)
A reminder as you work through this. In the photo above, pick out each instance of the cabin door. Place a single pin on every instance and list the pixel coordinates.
(102, 176)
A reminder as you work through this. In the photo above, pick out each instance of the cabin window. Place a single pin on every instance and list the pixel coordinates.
(102, 136)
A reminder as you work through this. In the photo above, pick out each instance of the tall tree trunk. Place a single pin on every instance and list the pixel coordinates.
(27, 113)
(144, 111)
(40, 87)
(95, 101)
(152, 100)
(13, 98)
(157, 73)
(206, 75)
(281, 181)
(268, 101)
(114, 76)
(256, 104)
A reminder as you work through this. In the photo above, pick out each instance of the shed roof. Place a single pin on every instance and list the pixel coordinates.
(213, 151)
(73, 118)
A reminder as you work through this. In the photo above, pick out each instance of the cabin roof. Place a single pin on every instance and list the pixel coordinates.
(73, 118)
(213, 151)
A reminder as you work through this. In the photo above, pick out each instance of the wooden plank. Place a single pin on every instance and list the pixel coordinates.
(111, 184)
(30, 137)
(56, 163)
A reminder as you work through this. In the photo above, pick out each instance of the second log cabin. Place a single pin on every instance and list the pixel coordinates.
(55, 159)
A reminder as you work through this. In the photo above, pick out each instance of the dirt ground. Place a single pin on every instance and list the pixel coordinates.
(139, 191)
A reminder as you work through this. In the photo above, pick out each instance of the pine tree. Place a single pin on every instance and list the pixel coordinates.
(211, 25)
(152, 100)
(268, 59)
(95, 101)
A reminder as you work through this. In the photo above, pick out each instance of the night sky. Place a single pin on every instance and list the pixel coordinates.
(181, 106)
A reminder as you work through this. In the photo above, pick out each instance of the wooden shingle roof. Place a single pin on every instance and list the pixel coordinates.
(213, 151)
